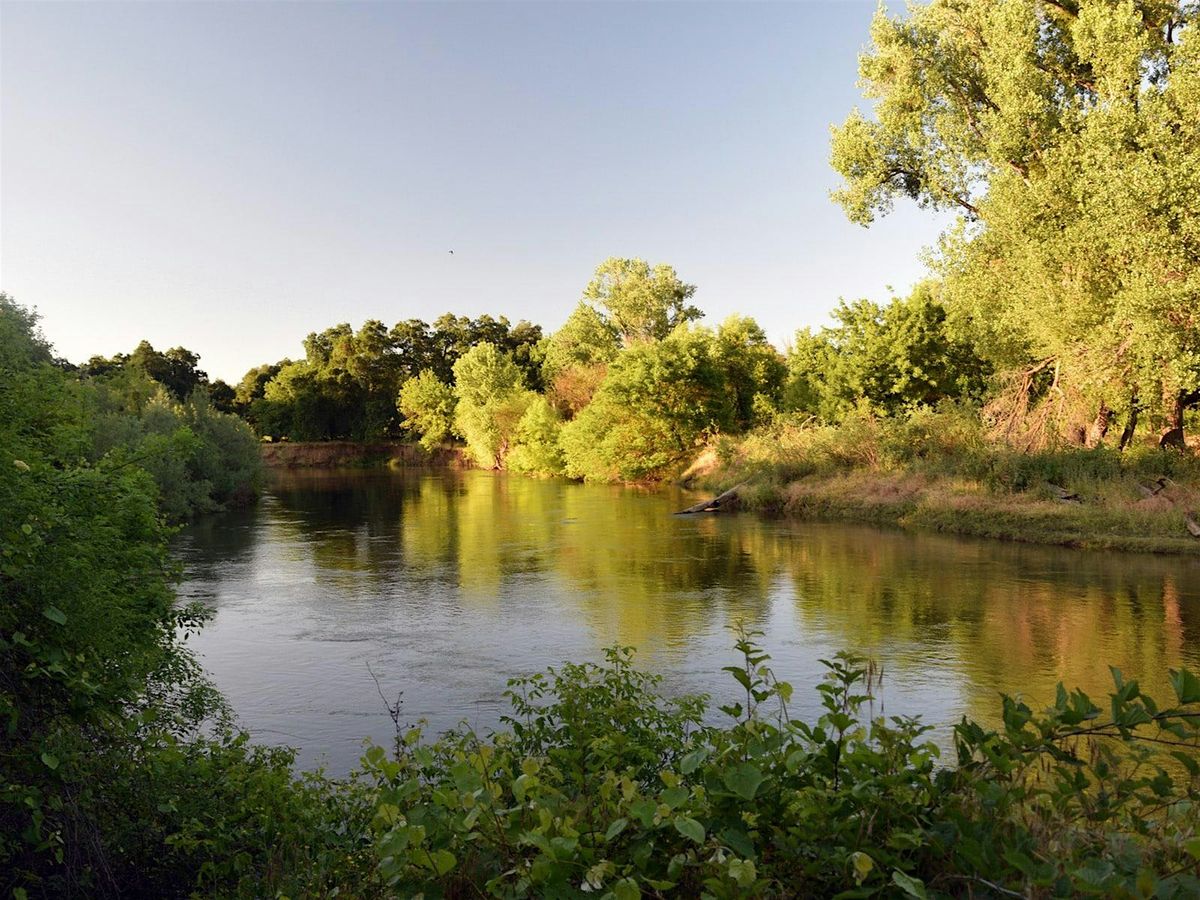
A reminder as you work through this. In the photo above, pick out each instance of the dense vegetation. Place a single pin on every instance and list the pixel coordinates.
(121, 772)
(1064, 301)
(629, 388)
(92, 674)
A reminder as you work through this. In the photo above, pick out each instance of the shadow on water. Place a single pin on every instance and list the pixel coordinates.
(446, 583)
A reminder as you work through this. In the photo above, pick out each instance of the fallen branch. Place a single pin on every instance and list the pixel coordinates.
(718, 503)
(1063, 494)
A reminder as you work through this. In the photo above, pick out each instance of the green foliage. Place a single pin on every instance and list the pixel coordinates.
(602, 785)
(427, 405)
(640, 302)
(754, 372)
(1067, 135)
(576, 357)
(176, 370)
(538, 449)
(890, 359)
(491, 400)
(201, 460)
(88, 626)
(347, 385)
(658, 400)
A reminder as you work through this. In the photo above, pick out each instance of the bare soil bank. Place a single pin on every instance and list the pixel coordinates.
(343, 454)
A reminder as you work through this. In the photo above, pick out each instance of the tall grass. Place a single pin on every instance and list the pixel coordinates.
(939, 469)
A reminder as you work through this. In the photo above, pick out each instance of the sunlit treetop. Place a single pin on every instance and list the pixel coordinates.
(1068, 137)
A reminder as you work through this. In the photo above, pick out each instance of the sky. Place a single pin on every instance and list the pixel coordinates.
(232, 176)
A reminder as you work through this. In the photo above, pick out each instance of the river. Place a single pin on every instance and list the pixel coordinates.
(442, 584)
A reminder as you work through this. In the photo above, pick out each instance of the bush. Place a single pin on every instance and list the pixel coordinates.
(538, 450)
(604, 786)
(427, 404)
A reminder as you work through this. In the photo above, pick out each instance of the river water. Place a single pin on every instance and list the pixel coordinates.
(443, 584)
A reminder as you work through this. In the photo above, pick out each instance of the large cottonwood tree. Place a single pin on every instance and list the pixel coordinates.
(1067, 136)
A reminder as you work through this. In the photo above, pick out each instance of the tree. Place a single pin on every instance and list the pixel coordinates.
(641, 302)
(1067, 135)
(427, 404)
(254, 383)
(177, 369)
(893, 358)
(754, 371)
(222, 396)
(538, 450)
(575, 358)
(348, 384)
(492, 398)
(658, 400)
(810, 361)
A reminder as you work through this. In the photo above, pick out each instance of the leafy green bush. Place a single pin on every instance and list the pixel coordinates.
(538, 449)
(427, 404)
(602, 785)
(491, 400)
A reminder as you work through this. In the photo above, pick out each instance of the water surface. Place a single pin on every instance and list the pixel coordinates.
(443, 584)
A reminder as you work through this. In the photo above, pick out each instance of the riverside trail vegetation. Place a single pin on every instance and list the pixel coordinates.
(1037, 386)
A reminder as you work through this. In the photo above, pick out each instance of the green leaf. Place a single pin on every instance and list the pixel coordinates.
(740, 674)
(744, 780)
(1192, 847)
(691, 761)
(626, 889)
(739, 842)
(1188, 761)
(675, 796)
(441, 861)
(54, 614)
(615, 828)
(913, 887)
(50, 760)
(742, 872)
(1187, 685)
(690, 828)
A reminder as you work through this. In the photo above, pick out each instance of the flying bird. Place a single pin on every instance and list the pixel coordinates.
(451, 252)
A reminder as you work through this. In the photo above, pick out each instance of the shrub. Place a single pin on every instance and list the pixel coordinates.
(427, 404)
(602, 785)
(538, 450)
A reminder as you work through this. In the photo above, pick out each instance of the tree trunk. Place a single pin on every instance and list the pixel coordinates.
(1131, 422)
(1173, 436)
(1099, 427)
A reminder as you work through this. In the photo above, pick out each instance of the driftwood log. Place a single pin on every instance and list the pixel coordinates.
(721, 501)
(1063, 494)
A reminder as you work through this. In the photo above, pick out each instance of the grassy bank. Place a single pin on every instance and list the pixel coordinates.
(938, 471)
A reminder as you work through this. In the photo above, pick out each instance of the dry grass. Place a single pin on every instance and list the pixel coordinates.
(938, 471)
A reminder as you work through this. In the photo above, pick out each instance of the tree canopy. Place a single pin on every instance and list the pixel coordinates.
(1067, 135)
(641, 302)
(891, 359)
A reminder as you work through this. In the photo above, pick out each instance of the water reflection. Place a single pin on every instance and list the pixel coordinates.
(446, 583)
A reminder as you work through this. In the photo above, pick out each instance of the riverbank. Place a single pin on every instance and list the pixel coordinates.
(938, 475)
(353, 454)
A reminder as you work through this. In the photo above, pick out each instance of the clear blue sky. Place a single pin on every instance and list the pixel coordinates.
(232, 176)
